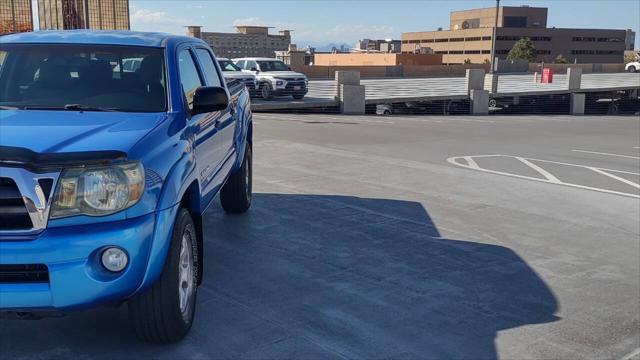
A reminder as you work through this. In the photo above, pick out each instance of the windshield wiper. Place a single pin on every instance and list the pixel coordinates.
(79, 107)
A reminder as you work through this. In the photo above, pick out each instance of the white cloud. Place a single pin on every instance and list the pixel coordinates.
(150, 20)
(250, 21)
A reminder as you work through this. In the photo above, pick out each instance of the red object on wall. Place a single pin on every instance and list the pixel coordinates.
(547, 76)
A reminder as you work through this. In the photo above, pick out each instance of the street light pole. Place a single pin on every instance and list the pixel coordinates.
(493, 38)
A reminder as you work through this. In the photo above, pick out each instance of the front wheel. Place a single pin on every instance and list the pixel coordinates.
(236, 195)
(265, 92)
(632, 69)
(164, 313)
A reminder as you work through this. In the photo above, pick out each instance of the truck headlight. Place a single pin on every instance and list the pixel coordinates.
(98, 191)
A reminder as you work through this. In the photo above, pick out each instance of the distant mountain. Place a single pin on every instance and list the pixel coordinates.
(329, 47)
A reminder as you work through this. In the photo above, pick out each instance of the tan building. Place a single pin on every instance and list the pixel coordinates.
(469, 38)
(248, 41)
(15, 16)
(84, 14)
(376, 59)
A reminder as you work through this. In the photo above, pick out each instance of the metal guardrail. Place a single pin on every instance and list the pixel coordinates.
(322, 93)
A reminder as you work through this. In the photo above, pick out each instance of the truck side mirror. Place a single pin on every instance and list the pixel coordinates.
(209, 99)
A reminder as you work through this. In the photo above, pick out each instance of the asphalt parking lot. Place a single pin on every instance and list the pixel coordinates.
(408, 237)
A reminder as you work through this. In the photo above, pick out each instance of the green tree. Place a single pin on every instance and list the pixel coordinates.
(630, 57)
(523, 49)
(560, 60)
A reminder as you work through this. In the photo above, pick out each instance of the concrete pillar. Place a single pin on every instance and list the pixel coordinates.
(474, 79)
(574, 78)
(479, 102)
(346, 78)
(577, 104)
(491, 83)
(352, 99)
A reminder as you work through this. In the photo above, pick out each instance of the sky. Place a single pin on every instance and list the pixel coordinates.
(320, 22)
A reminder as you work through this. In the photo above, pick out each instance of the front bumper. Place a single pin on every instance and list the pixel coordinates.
(76, 278)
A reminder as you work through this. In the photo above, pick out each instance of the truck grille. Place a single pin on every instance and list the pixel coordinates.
(291, 84)
(13, 213)
(29, 273)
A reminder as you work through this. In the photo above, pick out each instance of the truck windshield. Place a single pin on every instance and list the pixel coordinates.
(228, 65)
(272, 66)
(82, 77)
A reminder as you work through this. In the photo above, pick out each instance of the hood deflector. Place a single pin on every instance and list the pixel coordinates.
(17, 156)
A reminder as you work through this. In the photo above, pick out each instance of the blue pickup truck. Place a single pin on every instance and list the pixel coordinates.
(107, 168)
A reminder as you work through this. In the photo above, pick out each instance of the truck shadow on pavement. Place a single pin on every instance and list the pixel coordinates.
(316, 276)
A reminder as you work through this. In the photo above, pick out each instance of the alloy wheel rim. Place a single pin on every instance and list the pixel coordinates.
(186, 284)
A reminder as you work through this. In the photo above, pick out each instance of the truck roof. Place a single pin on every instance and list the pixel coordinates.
(97, 37)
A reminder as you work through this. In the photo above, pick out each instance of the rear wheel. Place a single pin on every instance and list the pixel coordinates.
(164, 313)
(632, 69)
(236, 195)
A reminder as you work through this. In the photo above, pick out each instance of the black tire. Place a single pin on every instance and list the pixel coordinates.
(265, 91)
(632, 69)
(493, 103)
(236, 195)
(157, 314)
(298, 96)
(387, 113)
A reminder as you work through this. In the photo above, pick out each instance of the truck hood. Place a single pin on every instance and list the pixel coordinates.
(283, 74)
(238, 75)
(73, 131)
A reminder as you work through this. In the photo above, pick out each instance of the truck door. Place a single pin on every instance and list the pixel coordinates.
(208, 160)
(226, 125)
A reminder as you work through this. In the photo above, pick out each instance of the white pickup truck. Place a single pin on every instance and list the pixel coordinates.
(275, 78)
(232, 73)
(632, 66)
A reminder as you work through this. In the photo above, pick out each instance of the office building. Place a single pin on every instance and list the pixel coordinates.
(15, 16)
(470, 33)
(247, 41)
(84, 14)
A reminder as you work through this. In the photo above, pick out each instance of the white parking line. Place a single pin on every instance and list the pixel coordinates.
(540, 170)
(632, 355)
(608, 154)
(628, 182)
(470, 163)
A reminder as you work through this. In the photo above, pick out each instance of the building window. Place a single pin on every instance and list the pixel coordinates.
(609, 39)
(456, 52)
(442, 40)
(472, 52)
(515, 21)
(477, 38)
(486, 38)
(541, 38)
(582, 39)
(456, 39)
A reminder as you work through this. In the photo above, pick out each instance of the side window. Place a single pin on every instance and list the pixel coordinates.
(208, 68)
(188, 76)
(251, 65)
(241, 64)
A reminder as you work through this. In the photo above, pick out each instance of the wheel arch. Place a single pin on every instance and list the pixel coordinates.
(191, 202)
